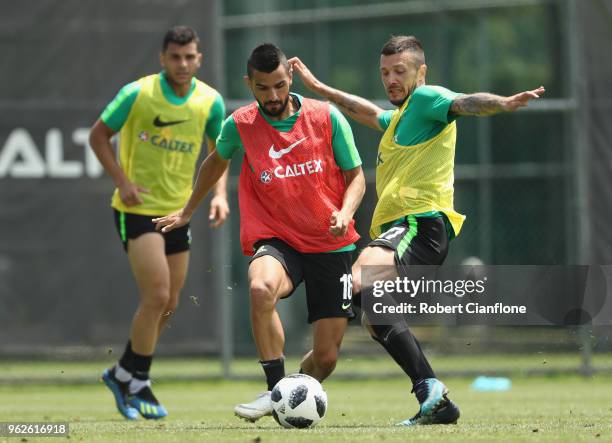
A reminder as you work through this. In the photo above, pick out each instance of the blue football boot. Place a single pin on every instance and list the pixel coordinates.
(435, 407)
(120, 392)
(146, 404)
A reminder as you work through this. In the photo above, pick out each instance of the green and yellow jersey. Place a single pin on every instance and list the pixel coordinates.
(160, 138)
(416, 160)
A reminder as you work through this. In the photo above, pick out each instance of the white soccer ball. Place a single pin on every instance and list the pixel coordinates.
(298, 401)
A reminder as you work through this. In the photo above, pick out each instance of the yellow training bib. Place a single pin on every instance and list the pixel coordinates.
(415, 179)
(160, 144)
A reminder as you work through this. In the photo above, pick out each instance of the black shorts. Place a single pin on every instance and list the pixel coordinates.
(327, 277)
(134, 225)
(417, 240)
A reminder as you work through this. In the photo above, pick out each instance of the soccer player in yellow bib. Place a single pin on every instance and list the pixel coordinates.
(414, 219)
(162, 120)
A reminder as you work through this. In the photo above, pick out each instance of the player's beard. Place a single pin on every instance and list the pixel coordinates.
(280, 110)
(185, 78)
(400, 102)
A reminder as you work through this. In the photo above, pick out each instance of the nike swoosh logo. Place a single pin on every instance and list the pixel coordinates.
(160, 124)
(346, 306)
(278, 154)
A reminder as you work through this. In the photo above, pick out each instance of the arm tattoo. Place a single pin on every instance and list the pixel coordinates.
(360, 109)
(352, 104)
(347, 103)
(480, 103)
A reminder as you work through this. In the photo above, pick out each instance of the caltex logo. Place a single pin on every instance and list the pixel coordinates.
(266, 176)
(144, 136)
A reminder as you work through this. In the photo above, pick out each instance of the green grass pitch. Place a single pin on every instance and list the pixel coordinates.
(536, 409)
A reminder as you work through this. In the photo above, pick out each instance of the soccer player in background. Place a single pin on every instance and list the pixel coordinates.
(300, 184)
(162, 119)
(414, 219)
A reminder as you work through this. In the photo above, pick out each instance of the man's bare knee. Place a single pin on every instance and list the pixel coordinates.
(156, 298)
(372, 256)
(263, 295)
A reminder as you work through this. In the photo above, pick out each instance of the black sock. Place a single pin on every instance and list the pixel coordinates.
(127, 359)
(142, 365)
(407, 353)
(274, 370)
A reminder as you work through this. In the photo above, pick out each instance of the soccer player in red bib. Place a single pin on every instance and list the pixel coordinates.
(300, 184)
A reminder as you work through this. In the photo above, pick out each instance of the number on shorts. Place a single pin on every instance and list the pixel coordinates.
(347, 289)
(393, 232)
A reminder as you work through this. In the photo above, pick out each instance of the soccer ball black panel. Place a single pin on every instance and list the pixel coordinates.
(299, 422)
(321, 405)
(276, 394)
(297, 396)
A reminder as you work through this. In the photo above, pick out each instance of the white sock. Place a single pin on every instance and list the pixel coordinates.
(121, 374)
(136, 385)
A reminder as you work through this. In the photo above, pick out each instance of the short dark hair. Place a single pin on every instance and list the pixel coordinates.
(181, 35)
(401, 43)
(266, 58)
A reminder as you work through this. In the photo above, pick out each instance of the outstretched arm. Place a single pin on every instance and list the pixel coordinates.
(483, 104)
(358, 108)
(211, 169)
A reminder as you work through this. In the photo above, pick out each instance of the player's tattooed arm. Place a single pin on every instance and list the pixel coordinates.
(358, 108)
(477, 104)
(483, 103)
